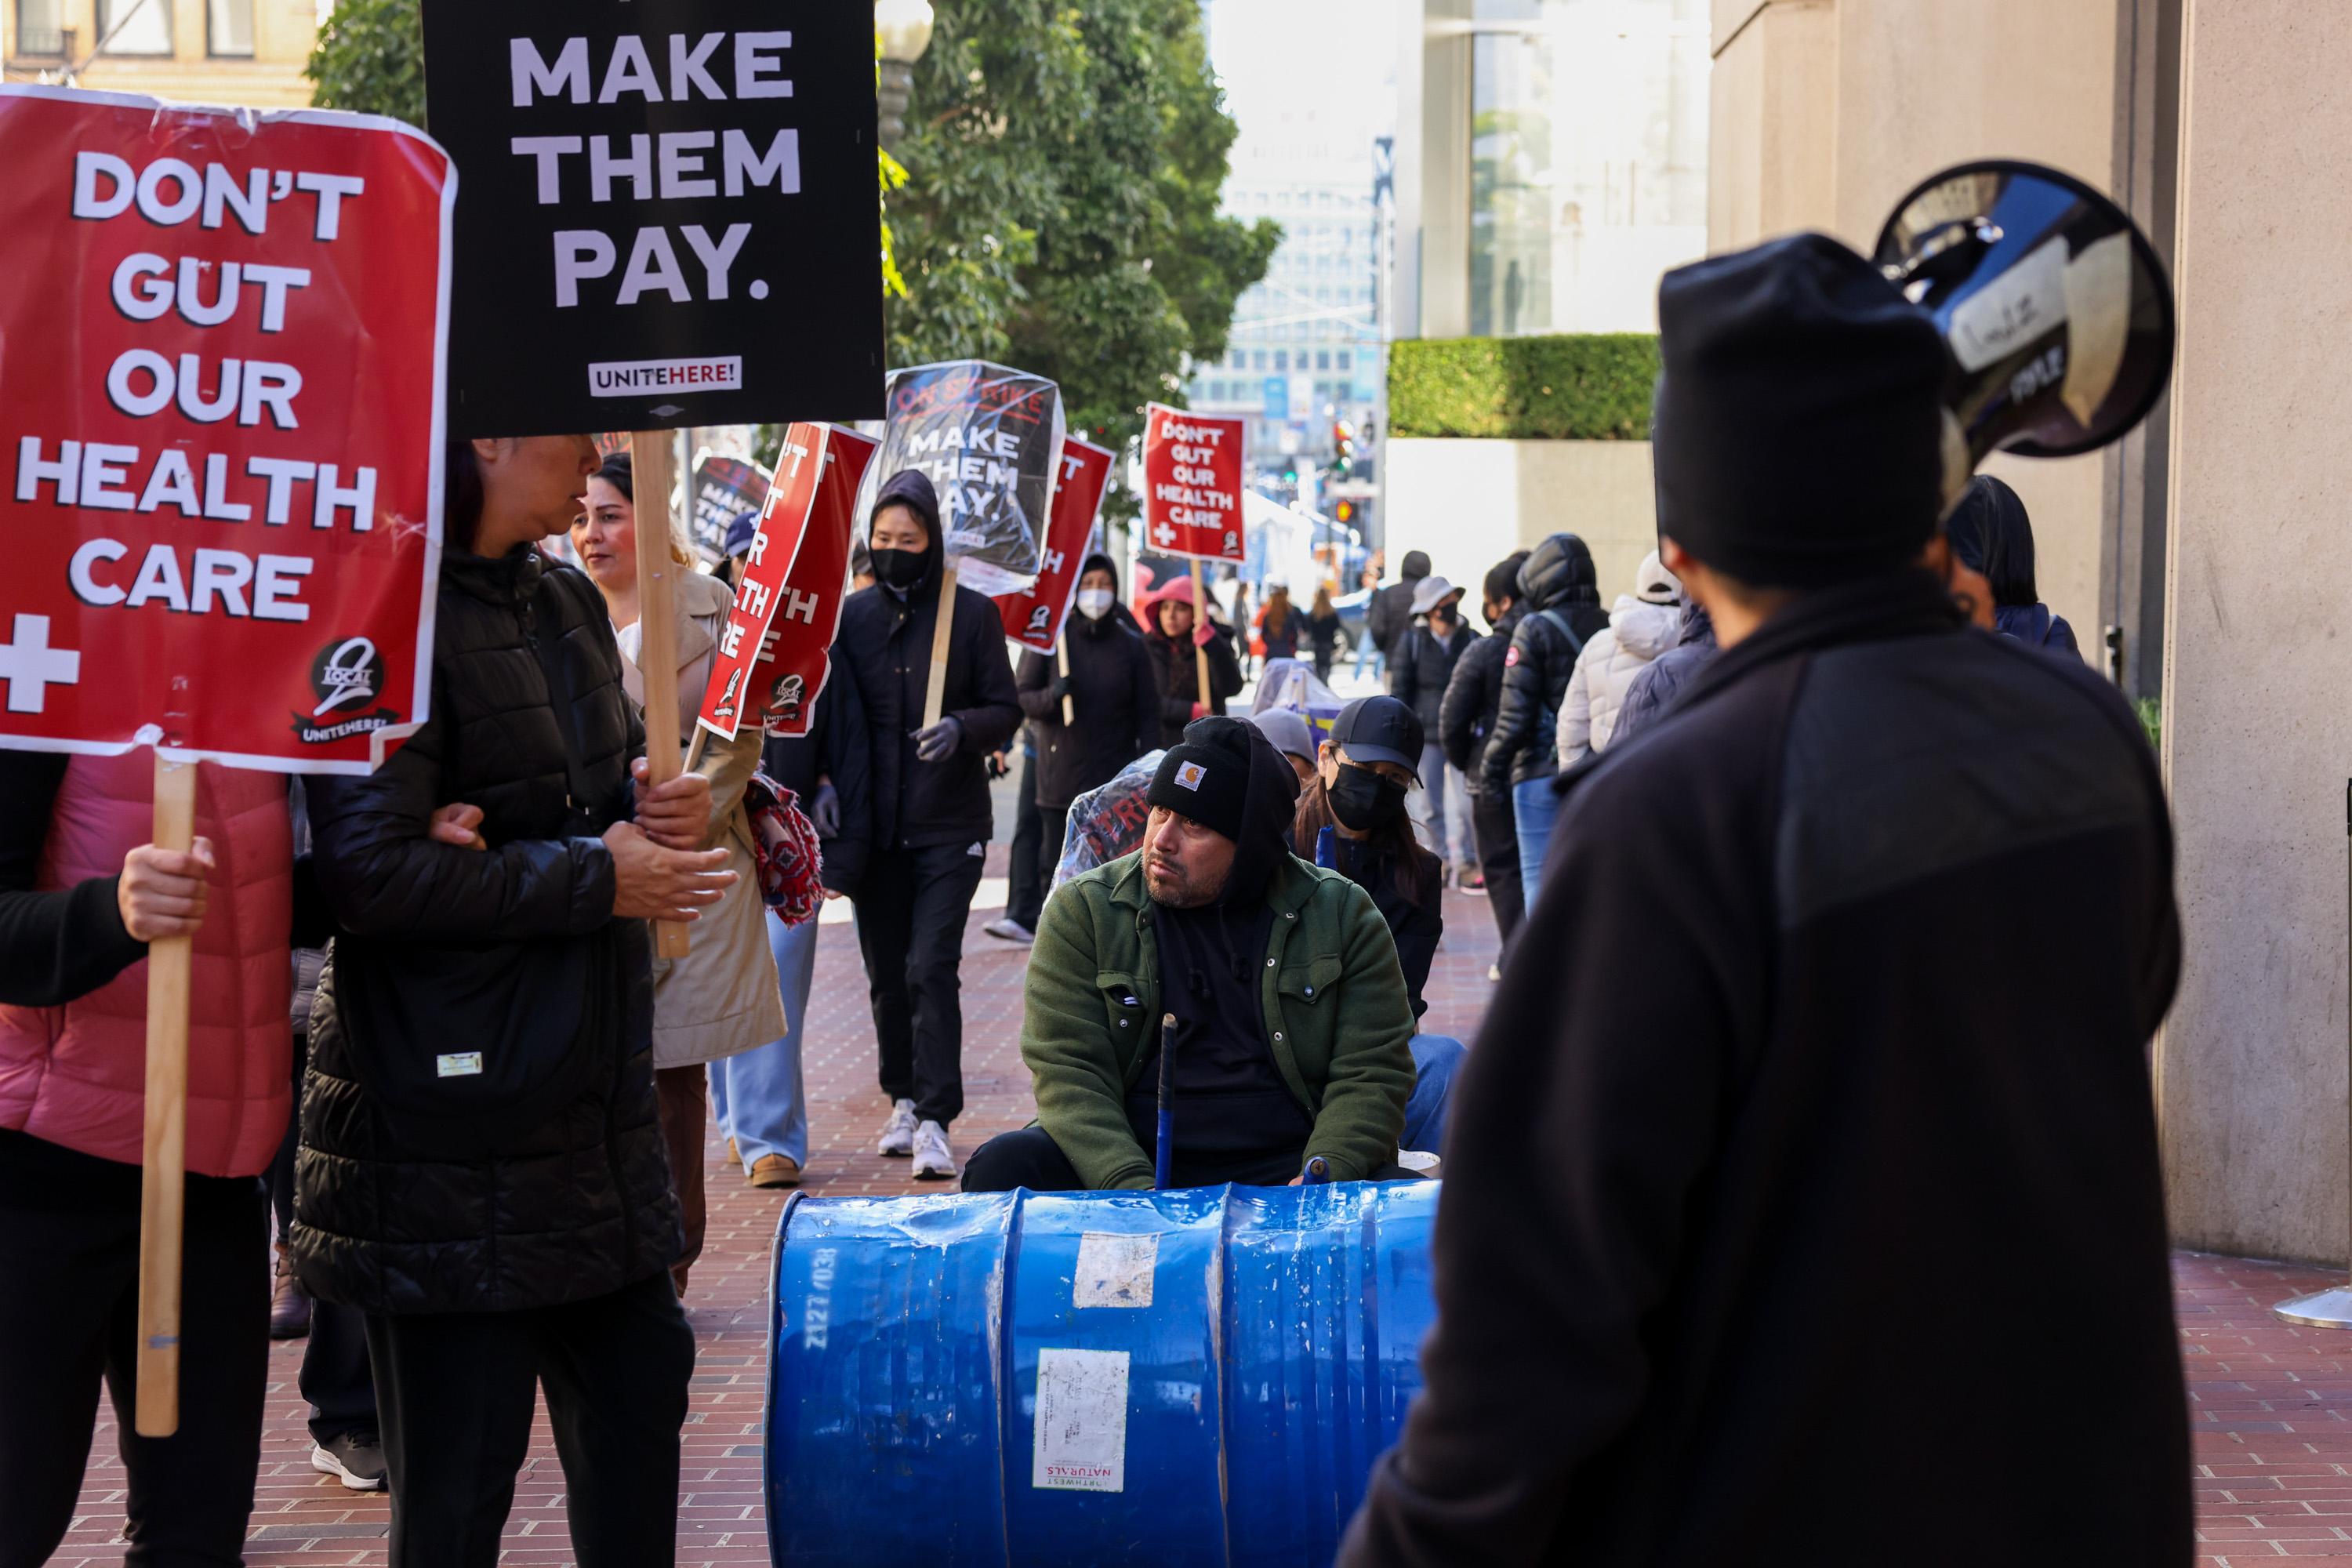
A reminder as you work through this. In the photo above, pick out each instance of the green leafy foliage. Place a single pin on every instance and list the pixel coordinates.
(370, 59)
(1061, 216)
(1591, 386)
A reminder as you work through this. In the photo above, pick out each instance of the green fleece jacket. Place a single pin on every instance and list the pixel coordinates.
(1333, 997)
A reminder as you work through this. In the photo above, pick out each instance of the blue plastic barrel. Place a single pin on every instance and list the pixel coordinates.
(1202, 1376)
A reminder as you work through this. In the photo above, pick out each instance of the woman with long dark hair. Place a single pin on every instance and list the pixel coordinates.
(1351, 817)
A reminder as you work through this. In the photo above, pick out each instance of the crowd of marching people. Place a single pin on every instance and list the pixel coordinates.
(429, 1007)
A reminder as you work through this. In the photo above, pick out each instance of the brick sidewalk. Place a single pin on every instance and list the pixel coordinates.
(2272, 1402)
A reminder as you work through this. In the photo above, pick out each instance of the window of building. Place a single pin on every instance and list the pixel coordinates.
(40, 28)
(1588, 171)
(1258, 360)
(136, 26)
(229, 26)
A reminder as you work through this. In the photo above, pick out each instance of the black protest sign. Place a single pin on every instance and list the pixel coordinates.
(665, 212)
(724, 489)
(989, 438)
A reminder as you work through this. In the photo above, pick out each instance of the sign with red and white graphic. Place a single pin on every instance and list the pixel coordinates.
(1034, 617)
(773, 654)
(1192, 484)
(220, 410)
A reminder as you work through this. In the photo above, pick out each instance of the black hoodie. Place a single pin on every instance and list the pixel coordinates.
(1236, 1120)
(1562, 600)
(883, 644)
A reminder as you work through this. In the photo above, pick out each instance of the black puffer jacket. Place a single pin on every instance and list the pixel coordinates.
(1114, 701)
(1473, 693)
(888, 640)
(1177, 673)
(1558, 577)
(1420, 666)
(581, 1205)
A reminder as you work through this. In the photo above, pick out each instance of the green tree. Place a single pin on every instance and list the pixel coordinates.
(370, 59)
(1061, 216)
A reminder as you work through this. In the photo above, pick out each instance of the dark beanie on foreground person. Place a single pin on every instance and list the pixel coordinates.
(1782, 1079)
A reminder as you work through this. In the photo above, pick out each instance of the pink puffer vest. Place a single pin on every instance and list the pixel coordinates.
(77, 1075)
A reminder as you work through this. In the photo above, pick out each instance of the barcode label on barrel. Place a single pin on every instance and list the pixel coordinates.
(1081, 1439)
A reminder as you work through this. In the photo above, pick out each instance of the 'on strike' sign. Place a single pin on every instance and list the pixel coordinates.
(1192, 483)
(221, 414)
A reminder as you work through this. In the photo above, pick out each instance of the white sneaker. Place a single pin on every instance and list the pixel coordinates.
(933, 1160)
(1010, 930)
(898, 1132)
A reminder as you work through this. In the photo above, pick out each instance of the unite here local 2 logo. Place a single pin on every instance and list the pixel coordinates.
(346, 674)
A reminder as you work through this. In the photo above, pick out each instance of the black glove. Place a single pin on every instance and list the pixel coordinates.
(937, 743)
(826, 812)
(1061, 687)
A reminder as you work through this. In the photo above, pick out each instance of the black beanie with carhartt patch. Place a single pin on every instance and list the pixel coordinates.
(1205, 776)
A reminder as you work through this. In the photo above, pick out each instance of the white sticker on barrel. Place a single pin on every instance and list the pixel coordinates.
(1115, 1270)
(2013, 310)
(1081, 1440)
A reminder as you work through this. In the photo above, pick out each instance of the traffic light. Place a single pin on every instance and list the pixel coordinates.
(1345, 511)
(1343, 450)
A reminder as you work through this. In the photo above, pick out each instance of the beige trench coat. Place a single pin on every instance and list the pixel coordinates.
(722, 997)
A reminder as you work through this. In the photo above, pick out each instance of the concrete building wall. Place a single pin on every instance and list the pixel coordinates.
(2256, 740)
(1470, 503)
(1826, 113)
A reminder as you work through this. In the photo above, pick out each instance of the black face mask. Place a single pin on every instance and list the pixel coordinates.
(1362, 800)
(900, 569)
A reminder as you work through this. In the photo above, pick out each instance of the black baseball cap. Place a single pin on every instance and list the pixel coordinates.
(1378, 730)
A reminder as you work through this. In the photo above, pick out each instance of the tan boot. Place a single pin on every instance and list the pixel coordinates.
(774, 1171)
(732, 1157)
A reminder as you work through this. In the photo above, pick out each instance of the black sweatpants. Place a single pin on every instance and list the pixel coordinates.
(455, 1390)
(1496, 827)
(911, 909)
(1024, 893)
(68, 1320)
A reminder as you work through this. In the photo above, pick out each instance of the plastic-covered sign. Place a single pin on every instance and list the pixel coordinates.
(724, 489)
(1192, 483)
(990, 440)
(1034, 617)
(221, 413)
(772, 656)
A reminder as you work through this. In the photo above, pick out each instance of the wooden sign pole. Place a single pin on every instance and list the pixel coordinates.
(1200, 648)
(163, 1163)
(942, 637)
(654, 462)
(1064, 650)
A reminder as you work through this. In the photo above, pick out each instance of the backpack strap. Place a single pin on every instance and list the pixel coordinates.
(1575, 643)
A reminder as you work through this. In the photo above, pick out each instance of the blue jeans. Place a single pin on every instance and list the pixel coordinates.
(1436, 1060)
(1533, 806)
(756, 1095)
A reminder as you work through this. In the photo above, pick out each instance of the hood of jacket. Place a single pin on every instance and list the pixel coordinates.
(1698, 627)
(911, 488)
(1559, 573)
(1644, 630)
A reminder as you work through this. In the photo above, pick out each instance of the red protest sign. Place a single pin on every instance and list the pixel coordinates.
(1192, 483)
(772, 656)
(1034, 617)
(222, 421)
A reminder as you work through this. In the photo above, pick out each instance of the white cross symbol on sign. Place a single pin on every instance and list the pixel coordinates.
(1164, 533)
(29, 664)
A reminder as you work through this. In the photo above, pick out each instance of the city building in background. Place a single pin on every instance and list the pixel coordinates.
(199, 51)
(1551, 164)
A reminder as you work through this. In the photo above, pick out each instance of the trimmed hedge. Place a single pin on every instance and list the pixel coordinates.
(1582, 386)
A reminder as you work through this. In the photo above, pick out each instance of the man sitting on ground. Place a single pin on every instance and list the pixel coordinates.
(1293, 1031)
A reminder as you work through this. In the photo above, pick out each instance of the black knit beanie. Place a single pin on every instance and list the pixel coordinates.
(1800, 427)
(1205, 776)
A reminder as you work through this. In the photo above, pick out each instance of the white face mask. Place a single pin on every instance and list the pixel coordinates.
(1094, 603)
